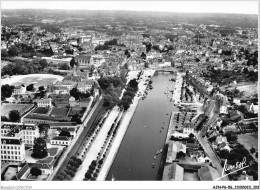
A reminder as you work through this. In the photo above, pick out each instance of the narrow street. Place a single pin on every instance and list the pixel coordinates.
(211, 154)
(213, 115)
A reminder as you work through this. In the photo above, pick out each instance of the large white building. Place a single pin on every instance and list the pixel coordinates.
(14, 138)
(223, 110)
(188, 128)
(19, 90)
(44, 102)
(12, 149)
(61, 140)
(27, 132)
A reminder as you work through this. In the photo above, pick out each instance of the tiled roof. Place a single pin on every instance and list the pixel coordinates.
(15, 141)
(44, 117)
(61, 138)
(60, 88)
(207, 173)
(188, 125)
(172, 152)
(25, 167)
(86, 57)
(43, 100)
(173, 172)
(70, 129)
(63, 124)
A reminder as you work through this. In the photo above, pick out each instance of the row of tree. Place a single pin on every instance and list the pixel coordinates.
(129, 94)
(70, 170)
(93, 170)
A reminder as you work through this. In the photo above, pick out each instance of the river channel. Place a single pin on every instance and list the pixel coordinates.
(146, 134)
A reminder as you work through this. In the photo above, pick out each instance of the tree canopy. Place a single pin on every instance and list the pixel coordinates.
(75, 118)
(41, 88)
(231, 136)
(6, 91)
(35, 171)
(65, 133)
(13, 51)
(73, 63)
(14, 116)
(39, 148)
(30, 87)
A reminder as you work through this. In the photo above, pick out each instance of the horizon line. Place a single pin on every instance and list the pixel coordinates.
(256, 14)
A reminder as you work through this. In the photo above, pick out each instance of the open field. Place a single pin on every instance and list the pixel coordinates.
(36, 79)
(248, 89)
(248, 140)
(6, 108)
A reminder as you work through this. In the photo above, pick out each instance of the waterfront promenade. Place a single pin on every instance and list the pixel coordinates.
(98, 142)
(177, 89)
(96, 146)
(124, 124)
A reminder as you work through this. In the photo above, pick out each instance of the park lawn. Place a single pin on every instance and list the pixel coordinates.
(249, 141)
(52, 151)
(6, 108)
(248, 89)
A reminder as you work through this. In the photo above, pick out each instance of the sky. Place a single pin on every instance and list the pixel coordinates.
(241, 7)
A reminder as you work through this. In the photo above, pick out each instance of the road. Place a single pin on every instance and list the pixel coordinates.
(211, 154)
(205, 144)
(96, 115)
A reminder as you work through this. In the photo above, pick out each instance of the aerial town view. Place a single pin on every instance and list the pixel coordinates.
(103, 95)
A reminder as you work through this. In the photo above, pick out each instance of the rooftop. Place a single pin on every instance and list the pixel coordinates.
(8, 140)
(61, 138)
(208, 173)
(63, 124)
(173, 172)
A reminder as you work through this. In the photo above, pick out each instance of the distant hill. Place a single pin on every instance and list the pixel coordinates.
(25, 16)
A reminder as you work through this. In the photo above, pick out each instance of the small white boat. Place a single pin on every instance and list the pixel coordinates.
(154, 157)
(113, 179)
